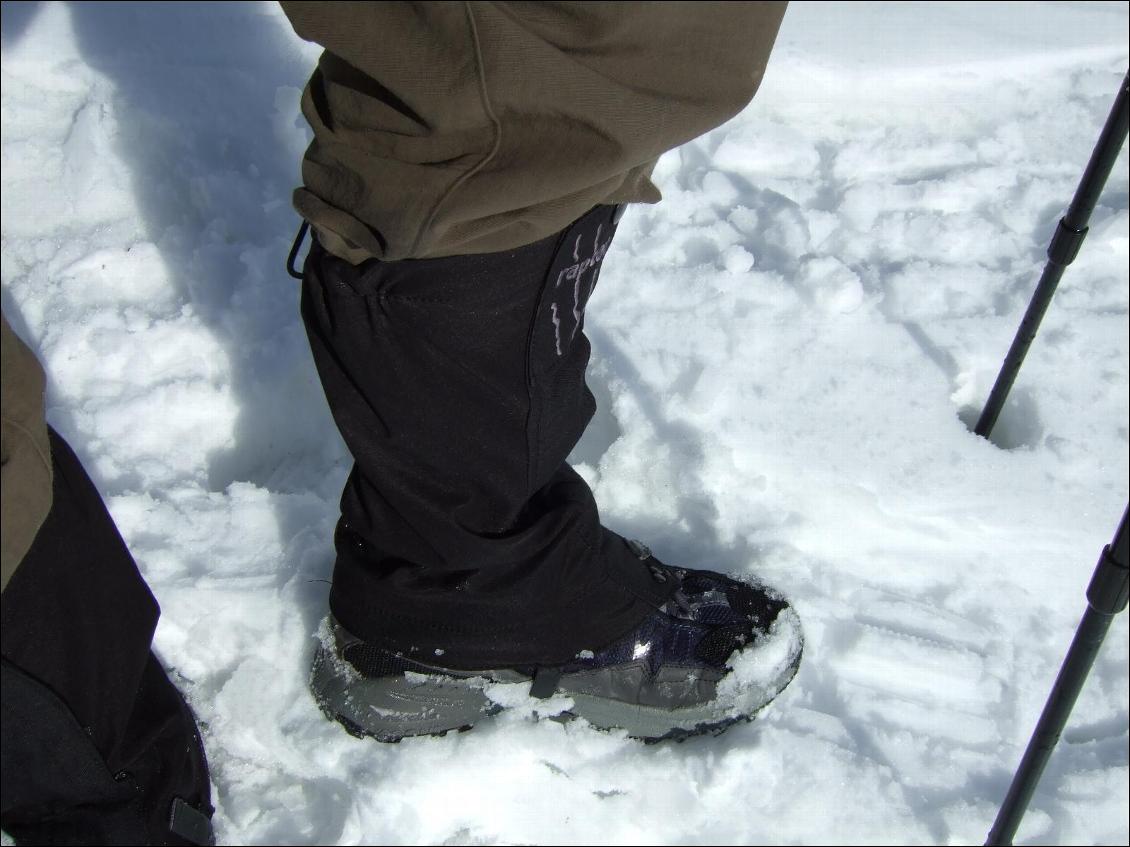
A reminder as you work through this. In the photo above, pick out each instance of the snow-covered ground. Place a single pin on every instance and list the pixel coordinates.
(787, 352)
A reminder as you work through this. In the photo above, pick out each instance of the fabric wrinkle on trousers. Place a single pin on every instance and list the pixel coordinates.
(458, 385)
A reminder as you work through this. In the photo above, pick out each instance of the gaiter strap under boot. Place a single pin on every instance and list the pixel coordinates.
(458, 384)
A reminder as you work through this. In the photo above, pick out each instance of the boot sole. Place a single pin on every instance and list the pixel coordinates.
(392, 708)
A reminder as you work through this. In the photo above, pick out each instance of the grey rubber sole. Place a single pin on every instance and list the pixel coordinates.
(394, 707)
(390, 708)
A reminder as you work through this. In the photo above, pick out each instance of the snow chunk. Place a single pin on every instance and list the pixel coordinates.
(833, 286)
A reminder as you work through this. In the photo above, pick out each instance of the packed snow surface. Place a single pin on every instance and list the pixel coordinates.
(788, 353)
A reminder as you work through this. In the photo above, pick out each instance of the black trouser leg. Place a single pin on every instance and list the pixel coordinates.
(97, 742)
(459, 386)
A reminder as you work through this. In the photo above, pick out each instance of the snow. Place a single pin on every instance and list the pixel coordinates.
(788, 353)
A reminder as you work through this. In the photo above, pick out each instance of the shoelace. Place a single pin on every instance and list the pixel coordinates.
(660, 575)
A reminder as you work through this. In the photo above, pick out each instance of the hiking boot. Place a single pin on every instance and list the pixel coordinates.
(715, 653)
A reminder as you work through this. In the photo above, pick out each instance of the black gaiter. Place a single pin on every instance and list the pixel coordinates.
(458, 384)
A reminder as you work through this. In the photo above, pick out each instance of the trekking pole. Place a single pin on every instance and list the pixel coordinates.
(1062, 251)
(1106, 597)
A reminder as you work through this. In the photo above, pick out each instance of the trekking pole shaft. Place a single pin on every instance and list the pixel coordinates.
(1029, 326)
(1088, 638)
(1064, 247)
(1102, 160)
(1106, 597)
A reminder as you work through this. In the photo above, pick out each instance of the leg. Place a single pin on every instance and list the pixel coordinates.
(98, 746)
(461, 193)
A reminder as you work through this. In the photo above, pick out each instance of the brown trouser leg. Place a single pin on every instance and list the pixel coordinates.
(445, 129)
(24, 451)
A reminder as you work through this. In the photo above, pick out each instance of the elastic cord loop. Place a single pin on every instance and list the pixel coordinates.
(290, 269)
